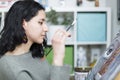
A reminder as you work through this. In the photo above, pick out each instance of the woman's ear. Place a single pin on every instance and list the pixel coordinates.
(24, 24)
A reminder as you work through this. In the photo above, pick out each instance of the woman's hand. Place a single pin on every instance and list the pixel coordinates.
(58, 44)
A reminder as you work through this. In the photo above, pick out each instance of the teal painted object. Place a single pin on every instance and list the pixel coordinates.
(91, 26)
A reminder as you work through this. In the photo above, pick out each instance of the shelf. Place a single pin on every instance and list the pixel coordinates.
(82, 9)
(92, 31)
(67, 43)
(91, 43)
(4, 9)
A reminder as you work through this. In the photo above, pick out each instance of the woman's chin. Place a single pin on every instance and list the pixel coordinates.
(40, 41)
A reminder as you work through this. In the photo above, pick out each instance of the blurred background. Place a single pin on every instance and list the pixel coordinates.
(97, 23)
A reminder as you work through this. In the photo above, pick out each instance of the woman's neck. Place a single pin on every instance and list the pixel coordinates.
(21, 49)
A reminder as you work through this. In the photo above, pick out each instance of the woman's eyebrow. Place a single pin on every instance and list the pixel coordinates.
(42, 19)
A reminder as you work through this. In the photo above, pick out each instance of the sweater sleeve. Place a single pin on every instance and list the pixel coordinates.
(23, 76)
(60, 72)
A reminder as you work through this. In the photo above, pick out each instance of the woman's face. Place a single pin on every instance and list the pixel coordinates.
(36, 28)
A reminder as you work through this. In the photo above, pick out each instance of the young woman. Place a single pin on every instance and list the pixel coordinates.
(21, 45)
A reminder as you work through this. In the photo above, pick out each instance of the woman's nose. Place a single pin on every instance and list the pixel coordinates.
(45, 28)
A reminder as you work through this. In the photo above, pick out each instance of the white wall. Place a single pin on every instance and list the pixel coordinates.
(115, 24)
(72, 3)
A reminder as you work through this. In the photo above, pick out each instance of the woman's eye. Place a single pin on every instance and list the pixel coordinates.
(40, 23)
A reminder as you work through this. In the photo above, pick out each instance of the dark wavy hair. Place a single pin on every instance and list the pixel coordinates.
(13, 34)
